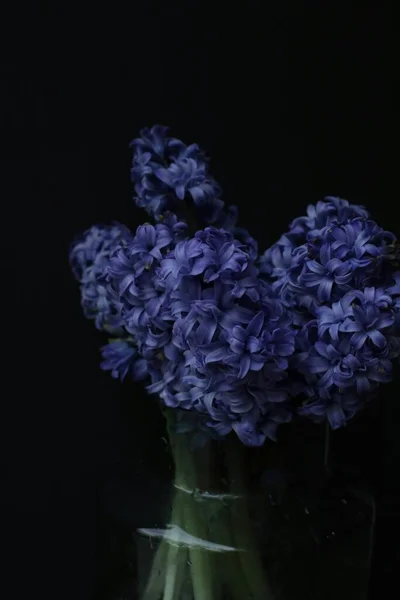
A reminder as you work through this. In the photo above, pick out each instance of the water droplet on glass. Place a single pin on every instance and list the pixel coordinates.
(272, 500)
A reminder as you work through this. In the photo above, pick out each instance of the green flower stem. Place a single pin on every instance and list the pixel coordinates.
(155, 583)
(242, 526)
(200, 563)
(193, 523)
(228, 565)
(241, 573)
(169, 564)
(176, 559)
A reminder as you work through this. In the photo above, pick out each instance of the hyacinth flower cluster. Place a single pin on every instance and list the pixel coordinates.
(238, 341)
(166, 174)
(336, 270)
(89, 257)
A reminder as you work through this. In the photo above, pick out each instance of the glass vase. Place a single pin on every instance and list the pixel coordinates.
(275, 522)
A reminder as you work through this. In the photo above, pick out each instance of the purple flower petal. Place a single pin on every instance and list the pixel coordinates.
(180, 191)
(350, 326)
(216, 355)
(315, 267)
(358, 339)
(377, 338)
(245, 363)
(239, 333)
(324, 290)
(362, 384)
(255, 325)
(336, 416)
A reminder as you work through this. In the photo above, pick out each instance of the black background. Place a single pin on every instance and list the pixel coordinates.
(292, 103)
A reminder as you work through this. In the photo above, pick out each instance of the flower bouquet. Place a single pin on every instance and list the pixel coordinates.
(235, 342)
